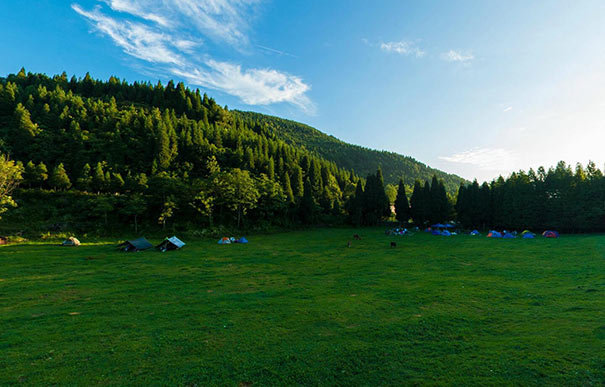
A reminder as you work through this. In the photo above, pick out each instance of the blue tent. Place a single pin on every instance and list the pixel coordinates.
(436, 232)
(528, 235)
(494, 234)
(475, 232)
(448, 225)
(446, 233)
(508, 235)
(242, 240)
(438, 225)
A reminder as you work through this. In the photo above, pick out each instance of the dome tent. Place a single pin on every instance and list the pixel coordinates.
(475, 232)
(224, 241)
(494, 234)
(550, 234)
(71, 241)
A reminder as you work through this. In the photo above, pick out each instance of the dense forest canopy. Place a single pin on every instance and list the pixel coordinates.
(92, 152)
(354, 157)
(155, 152)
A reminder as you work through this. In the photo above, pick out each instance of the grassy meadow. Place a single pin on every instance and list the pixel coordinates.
(301, 308)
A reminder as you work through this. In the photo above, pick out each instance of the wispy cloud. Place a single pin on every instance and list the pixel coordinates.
(166, 34)
(254, 86)
(457, 56)
(275, 51)
(403, 48)
(507, 109)
(484, 158)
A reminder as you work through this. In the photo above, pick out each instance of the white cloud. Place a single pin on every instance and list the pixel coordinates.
(493, 159)
(137, 8)
(403, 47)
(253, 86)
(164, 38)
(457, 56)
(135, 39)
(507, 109)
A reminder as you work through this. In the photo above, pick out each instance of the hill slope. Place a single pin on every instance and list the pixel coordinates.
(352, 157)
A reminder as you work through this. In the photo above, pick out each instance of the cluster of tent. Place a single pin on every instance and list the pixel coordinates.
(398, 231)
(441, 229)
(230, 240)
(141, 244)
(525, 234)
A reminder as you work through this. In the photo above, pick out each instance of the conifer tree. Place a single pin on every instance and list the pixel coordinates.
(417, 204)
(84, 182)
(297, 183)
(402, 207)
(59, 179)
(288, 189)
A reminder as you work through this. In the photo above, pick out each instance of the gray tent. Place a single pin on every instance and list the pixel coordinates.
(173, 243)
(136, 245)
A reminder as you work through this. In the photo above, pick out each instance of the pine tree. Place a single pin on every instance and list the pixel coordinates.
(84, 182)
(29, 174)
(356, 206)
(98, 178)
(288, 188)
(417, 204)
(59, 179)
(41, 174)
(402, 207)
(308, 206)
(297, 183)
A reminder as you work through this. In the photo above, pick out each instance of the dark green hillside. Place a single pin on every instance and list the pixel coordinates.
(353, 157)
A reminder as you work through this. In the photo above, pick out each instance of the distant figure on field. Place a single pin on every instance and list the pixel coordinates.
(357, 237)
(348, 243)
(393, 244)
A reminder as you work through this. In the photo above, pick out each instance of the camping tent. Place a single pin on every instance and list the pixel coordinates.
(438, 225)
(526, 232)
(528, 235)
(508, 235)
(224, 241)
(475, 232)
(71, 241)
(550, 234)
(436, 232)
(242, 240)
(494, 234)
(168, 244)
(136, 245)
(446, 233)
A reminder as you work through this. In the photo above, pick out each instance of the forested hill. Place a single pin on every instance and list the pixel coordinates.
(353, 157)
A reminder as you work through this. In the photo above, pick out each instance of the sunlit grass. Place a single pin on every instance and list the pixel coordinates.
(302, 308)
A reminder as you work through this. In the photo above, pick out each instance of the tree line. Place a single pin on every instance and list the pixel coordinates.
(561, 198)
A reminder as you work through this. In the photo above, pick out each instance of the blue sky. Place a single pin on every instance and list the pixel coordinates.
(477, 88)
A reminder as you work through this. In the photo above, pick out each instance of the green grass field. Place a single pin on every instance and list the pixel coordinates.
(301, 308)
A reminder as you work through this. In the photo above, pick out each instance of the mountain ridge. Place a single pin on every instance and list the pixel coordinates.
(394, 165)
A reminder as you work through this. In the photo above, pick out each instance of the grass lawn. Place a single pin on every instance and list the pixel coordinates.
(301, 308)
